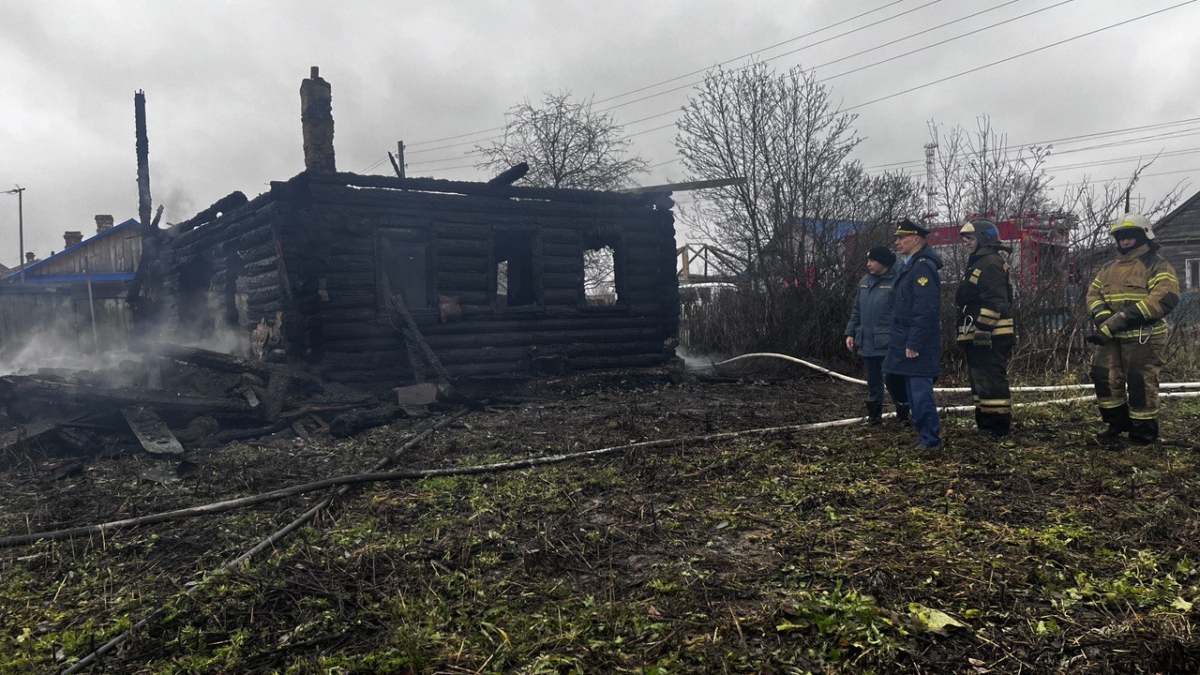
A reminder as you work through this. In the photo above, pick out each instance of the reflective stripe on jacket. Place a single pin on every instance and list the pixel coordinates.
(984, 297)
(1139, 283)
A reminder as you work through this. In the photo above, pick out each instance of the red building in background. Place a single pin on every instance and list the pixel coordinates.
(1040, 248)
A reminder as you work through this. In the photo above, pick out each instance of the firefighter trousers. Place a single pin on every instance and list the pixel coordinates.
(1125, 373)
(987, 371)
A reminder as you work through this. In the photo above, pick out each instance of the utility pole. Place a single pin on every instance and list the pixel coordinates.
(398, 159)
(18, 190)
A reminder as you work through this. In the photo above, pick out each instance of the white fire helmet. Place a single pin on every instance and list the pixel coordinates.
(1131, 221)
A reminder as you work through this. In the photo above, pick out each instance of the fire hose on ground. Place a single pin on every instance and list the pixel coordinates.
(345, 482)
(942, 390)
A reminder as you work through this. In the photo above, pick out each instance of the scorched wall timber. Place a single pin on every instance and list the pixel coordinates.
(315, 248)
(224, 274)
(459, 226)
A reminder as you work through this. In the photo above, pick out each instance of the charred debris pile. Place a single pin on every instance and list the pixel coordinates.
(183, 398)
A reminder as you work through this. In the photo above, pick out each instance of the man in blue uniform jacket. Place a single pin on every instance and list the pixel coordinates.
(870, 329)
(915, 347)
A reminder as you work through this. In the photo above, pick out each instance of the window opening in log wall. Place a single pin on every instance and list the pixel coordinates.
(601, 270)
(513, 269)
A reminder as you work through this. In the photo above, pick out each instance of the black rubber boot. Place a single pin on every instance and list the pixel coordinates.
(874, 414)
(1118, 423)
(904, 415)
(1143, 432)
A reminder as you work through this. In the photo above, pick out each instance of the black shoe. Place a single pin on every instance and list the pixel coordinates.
(922, 447)
(874, 414)
(1110, 435)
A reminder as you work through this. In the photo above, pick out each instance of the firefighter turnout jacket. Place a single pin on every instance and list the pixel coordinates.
(1132, 295)
(984, 297)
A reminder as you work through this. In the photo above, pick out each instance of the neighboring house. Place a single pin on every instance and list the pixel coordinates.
(112, 254)
(1179, 234)
(324, 267)
(73, 300)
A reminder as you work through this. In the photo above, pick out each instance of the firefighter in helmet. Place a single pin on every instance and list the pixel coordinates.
(1129, 300)
(985, 325)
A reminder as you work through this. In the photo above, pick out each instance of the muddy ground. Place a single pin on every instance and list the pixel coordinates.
(833, 551)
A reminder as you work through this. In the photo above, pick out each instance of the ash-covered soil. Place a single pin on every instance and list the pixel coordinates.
(837, 550)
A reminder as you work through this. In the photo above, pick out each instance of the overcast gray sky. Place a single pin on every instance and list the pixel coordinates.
(222, 77)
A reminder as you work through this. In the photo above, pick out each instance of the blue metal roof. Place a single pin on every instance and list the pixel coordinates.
(70, 278)
(15, 273)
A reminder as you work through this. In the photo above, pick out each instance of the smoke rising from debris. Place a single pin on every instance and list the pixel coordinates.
(59, 348)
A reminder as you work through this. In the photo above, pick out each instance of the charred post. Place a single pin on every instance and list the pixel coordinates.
(143, 158)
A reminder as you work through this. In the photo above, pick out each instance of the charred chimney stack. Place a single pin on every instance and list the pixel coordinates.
(103, 222)
(316, 119)
(71, 238)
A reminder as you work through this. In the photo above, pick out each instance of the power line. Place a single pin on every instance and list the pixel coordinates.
(658, 84)
(819, 42)
(884, 61)
(928, 84)
(764, 49)
(936, 44)
(1017, 56)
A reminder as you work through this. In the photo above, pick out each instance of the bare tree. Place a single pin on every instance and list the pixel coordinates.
(781, 133)
(792, 216)
(1096, 205)
(566, 144)
(980, 174)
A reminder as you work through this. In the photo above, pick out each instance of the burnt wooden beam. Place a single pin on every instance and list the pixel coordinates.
(227, 363)
(510, 175)
(683, 187)
(350, 423)
(95, 399)
(151, 431)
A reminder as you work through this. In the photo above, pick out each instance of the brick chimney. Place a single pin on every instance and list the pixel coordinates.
(316, 120)
(30, 258)
(72, 237)
(103, 222)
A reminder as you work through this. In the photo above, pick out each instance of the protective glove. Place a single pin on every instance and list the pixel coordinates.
(1114, 323)
(982, 338)
(1098, 339)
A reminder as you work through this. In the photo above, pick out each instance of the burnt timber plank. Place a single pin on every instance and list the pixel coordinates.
(151, 431)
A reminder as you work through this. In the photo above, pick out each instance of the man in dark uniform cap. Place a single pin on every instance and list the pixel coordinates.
(915, 348)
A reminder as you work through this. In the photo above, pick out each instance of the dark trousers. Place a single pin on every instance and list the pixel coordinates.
(924, 410)
(987, 371)
(876, 380)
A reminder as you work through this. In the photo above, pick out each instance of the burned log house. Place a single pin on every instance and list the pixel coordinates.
(326, 264)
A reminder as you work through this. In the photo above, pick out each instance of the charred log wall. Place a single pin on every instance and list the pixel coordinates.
(313, 250)
(456, 232)
(224, 274)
